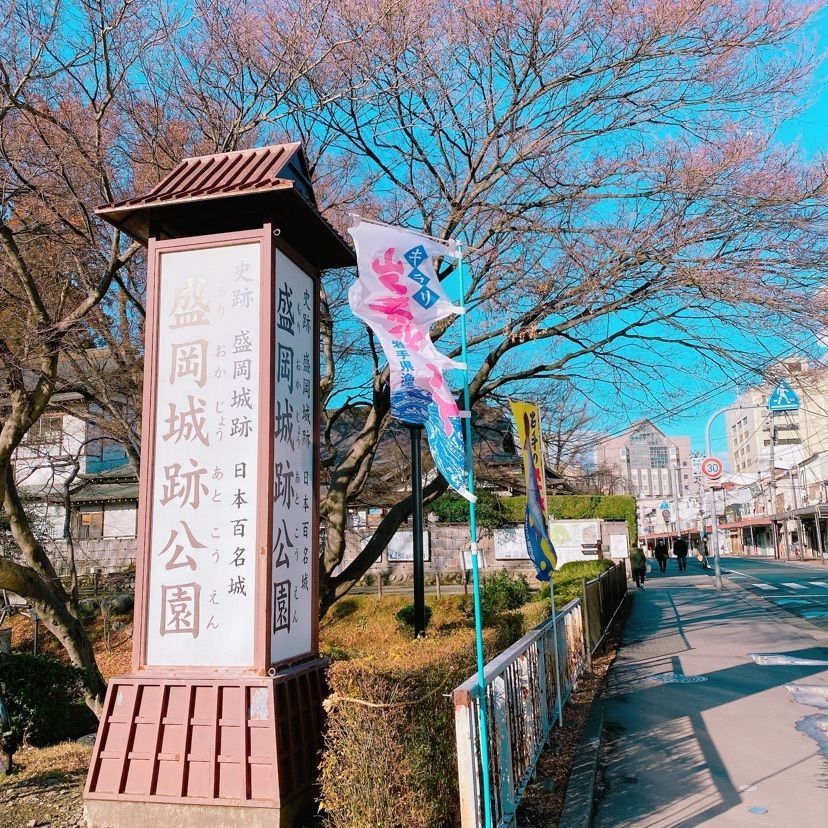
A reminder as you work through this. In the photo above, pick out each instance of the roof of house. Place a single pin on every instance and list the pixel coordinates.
(118, 484)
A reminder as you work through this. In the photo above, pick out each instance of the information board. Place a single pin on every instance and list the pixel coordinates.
(293, 466)
(201, 597)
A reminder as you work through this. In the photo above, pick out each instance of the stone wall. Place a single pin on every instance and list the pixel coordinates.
(447, 552)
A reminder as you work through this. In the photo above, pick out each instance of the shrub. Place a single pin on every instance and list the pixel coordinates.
(503, 591)
(579, 507)
(40, 694)
(500, 593)
(452, 508)
(406, 615)
(568, 580)
(390, 753)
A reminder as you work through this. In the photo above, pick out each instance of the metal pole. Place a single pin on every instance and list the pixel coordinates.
(482, 700)
(557, 657)
(819, 533)
(714, 522)
(772, 483)
(416, 432)
(676, 493)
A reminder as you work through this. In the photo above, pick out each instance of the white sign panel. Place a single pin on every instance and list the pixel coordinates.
(575, 540)
(400, 548)
(618, 546)
(510, 543)
(293, 472)
(201, 568)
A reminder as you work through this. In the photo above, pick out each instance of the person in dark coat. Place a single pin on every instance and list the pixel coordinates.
(661, 554)
(680, 550)
(638, 564)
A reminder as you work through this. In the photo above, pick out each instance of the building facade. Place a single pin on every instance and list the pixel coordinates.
(798, 434)
(652, 466)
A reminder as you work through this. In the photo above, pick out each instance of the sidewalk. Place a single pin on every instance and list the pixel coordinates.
(696, 733)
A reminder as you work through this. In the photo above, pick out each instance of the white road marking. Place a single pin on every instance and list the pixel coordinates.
(792, 585)
(764, 586)
(819, 584)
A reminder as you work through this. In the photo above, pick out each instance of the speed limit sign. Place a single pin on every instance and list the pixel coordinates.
(712, 468)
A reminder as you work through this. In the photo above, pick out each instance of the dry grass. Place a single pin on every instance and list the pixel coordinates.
(113, 661)
(366, 628)
(61, 762)
(47, 786)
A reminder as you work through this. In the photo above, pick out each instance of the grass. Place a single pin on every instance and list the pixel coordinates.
(366, 627)
(63, 762)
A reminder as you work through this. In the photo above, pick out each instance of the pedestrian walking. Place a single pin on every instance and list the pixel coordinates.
(680, 550)
(638, 563)
(662, 552)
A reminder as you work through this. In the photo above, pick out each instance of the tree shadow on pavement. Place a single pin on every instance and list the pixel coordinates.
(661, 766)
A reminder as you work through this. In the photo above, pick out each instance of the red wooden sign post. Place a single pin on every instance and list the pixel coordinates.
(223, 707)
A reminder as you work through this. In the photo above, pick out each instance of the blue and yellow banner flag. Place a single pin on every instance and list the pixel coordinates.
(538, 542)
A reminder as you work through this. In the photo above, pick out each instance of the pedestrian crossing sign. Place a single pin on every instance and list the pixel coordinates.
(783, 398)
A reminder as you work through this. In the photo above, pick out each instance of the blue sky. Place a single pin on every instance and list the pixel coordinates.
(810, 131)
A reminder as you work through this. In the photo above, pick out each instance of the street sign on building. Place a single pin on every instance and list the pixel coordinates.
(712, 468)
(783, 398)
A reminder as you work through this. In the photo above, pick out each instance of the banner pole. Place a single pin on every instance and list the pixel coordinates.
(482, 695)
(557, 658)
(416, 432)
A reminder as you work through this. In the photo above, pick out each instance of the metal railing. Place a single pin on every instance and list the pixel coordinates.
(521, 706)
(603, 597)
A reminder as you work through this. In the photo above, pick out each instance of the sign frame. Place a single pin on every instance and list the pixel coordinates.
(712, 474)
(263, 659)
(783, 387)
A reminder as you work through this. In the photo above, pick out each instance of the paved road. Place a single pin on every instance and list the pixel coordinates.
(801, 589)
(699, 732)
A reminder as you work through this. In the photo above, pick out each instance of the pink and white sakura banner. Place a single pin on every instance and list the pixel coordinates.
(399, 296)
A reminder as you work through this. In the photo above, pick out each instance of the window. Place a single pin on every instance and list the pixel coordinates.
(47, 432)
(658, 457)
(90, 525)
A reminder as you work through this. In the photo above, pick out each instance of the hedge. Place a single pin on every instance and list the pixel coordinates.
(390, 753)
(499, 511)
(452, 508)
(44, 697)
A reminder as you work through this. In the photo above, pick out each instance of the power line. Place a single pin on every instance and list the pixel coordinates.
(703, 396)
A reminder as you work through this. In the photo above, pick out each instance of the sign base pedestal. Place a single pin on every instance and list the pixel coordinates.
(207, 749)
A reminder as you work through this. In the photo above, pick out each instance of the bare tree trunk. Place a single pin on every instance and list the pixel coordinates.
(39, 584)
(67, 532)
(333, 587)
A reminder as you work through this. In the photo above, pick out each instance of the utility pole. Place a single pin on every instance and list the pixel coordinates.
(772, 485)
(676, 478)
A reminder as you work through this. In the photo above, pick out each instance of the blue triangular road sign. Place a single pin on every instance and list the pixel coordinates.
(783, 398)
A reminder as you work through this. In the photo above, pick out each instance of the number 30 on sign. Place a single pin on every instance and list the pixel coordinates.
(712, 468)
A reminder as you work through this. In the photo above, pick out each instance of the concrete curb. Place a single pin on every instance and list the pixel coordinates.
(580, 792)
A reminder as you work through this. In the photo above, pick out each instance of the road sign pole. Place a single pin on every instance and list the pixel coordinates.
(772, 484)
(819, 534)
(714, 519)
